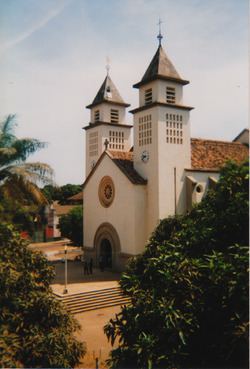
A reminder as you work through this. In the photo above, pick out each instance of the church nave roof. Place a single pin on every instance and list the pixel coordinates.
(212, 154)
(124, 160)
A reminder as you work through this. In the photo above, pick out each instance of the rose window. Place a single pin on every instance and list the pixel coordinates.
(106, 191)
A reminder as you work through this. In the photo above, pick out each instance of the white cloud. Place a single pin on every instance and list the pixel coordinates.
(52, 13)
(49, 94)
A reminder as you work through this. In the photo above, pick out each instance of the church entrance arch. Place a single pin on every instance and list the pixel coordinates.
(106, 253)
(107, 246)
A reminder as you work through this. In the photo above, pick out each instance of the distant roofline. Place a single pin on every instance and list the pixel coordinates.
(93, 125)
(216, 141)
(156, 103)
(215, 170)
(104, 101)
(161, 77)
(241, 133)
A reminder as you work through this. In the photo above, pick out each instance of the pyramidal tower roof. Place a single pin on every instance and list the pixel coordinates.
(108, 93)
(161, 67)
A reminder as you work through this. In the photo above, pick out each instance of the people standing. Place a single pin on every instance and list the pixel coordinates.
(101, 264)
(85, 267)
(91, 266)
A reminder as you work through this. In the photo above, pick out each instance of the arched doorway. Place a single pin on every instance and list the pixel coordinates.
(107, 245)
(106, 253)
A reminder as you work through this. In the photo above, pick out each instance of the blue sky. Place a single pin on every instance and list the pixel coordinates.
(53, 55)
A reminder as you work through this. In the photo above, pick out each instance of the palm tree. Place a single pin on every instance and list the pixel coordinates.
(18, 179)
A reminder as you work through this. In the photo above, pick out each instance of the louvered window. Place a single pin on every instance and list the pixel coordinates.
(148, 96)
(170, 95)
(114, 116)
(97, 116)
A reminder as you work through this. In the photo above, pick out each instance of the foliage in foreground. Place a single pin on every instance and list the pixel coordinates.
(35, 330)
(71, 225)
(189, 289)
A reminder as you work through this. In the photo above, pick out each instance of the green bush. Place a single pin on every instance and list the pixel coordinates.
(189, 289)
(71, 225)
(35, 330)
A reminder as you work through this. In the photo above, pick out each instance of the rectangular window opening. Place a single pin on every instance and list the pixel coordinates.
(114, 116)
(148, 96)
(97, 116)
(170, 95)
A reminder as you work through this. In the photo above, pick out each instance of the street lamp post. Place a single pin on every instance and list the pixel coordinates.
(66, 270)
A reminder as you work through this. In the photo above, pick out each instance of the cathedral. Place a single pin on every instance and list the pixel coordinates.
(138, 174)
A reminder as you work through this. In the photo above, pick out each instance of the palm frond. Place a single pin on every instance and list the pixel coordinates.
(6, 130)
(26, 146)
(23, 191)
(18, 178)
(30, 172)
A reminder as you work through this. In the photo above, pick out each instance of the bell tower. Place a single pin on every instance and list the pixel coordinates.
(107, 128)
(162, 137)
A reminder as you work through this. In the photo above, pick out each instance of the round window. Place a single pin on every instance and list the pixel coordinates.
(106, 191)
(199, 188)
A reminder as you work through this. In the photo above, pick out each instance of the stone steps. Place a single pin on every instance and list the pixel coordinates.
(93, 300)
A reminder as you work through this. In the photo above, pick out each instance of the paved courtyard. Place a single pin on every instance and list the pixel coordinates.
(92, 322)
(78, 282)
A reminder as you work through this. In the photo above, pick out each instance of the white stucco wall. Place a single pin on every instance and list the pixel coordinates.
(172, 155)
(103, 134)
(202, 179)
(125, 214)
(148, 170)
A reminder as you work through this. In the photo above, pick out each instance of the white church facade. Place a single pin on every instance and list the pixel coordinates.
(139, 174)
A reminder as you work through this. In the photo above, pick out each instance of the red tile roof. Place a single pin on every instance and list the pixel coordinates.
(124, 161)
(211, 154)
(62, 209)
(76, 197)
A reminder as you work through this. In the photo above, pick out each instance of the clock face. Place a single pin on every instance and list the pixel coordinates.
(145, 156)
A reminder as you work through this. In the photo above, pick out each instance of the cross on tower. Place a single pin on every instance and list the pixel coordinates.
(106, 144)
(107, 65)
(159, 34)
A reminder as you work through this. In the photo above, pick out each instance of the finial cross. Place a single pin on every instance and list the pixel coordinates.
(159, 34)
(107, 65)
(106, 144)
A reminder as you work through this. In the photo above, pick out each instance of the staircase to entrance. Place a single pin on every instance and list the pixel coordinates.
(93, 300)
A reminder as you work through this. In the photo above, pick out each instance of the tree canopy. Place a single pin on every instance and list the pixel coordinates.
(71, 225)
(189, 289)
(19, 179)
(61, 193)
(20, 197)
(35, 330)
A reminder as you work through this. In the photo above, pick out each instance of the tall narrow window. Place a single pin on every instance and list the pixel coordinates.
(97, 116)
(148, 96)
(114, 116)
(170, 95)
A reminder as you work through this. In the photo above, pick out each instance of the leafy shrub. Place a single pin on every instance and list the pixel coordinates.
(71, 225)
(35, 330)
(189, 289)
